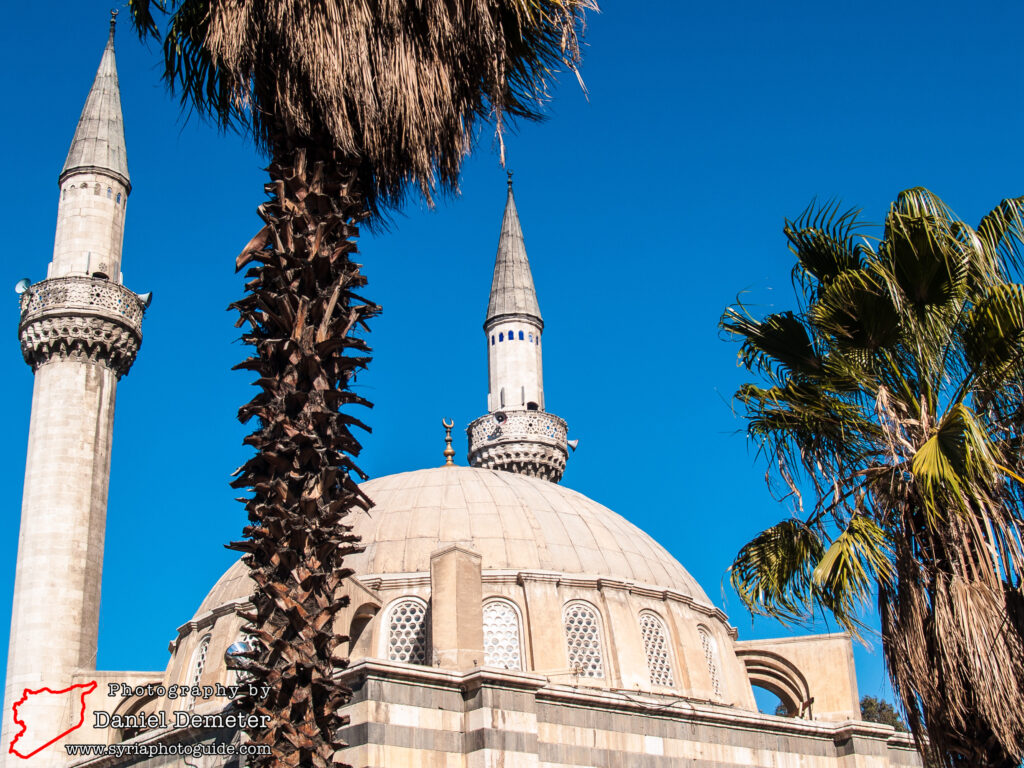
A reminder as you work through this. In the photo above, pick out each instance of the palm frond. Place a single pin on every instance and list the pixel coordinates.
(143, 19)
(857, 312)
(994, 335)
(400, 87)
(845, 576)
(923, 252)
(805, 415)
(825, 243)
(773, 573)
(909, 434)
(778, 345)
(1002, 232)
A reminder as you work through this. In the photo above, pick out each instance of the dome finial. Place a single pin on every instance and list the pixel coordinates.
(509, 180)
(449, 452)
(113, 22)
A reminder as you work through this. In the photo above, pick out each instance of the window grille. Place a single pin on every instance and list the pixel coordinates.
(407, 632)
(501, 635)
(199, 660)
(711, 657)
(583, 639)
(659, 659)
(197, 666)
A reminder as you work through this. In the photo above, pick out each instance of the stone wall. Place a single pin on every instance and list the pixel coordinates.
(403, 716)
(407, 716)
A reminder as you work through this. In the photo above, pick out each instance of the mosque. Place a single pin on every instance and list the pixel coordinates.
(497, 618)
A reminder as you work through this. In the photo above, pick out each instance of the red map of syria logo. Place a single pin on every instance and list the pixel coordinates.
(23, 710)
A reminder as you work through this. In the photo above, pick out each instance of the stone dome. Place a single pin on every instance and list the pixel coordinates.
(515, 522)
(470, 567)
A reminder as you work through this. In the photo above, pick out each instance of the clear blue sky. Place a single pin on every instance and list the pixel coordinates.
(646, 209)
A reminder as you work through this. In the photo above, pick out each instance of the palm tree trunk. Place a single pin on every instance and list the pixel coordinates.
(301, 314)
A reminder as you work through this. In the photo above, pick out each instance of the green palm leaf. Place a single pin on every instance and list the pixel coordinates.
(994, 334)
(857, 559)
(908, 439)
(955, 465)
(920, 248)
(777, 345)
(824, 241)
(773, 573)
(1002, 232)
(857, 312)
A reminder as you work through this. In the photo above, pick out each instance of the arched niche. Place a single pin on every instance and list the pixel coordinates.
(781, 677)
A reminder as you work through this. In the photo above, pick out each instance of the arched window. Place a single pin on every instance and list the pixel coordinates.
(531, 337)
(110, 193)
(656, 647)
(492, 339)
(197, 665)
(502, 647)
(96, 189)
(501, 336)
(707, 642)
(118, 201)
(583, 639)
(64, 194)
(521, 337)
(199, 660)
(407, 631)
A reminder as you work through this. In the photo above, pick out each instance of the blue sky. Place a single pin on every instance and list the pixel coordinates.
(646, 207)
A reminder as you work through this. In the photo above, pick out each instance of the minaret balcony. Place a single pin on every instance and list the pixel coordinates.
(526, 442)
(81, 318)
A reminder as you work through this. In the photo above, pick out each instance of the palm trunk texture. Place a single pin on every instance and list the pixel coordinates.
(301, 311)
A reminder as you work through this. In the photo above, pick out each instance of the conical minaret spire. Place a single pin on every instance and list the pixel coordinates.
(98, 145)
(94, 183)
(512, 291)
(517, 434)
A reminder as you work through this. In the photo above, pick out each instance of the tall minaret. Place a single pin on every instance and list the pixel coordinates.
(517, 434)
(80, 330)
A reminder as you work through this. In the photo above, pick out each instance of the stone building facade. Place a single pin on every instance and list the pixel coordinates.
(496, 617)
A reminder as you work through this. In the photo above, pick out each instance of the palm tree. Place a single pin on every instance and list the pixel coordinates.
(355, 103)
(894, 396)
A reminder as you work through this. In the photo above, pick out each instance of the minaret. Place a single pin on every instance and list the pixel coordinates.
(517, 434)
(80, 330)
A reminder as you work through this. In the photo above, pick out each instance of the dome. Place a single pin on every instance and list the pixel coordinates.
(515, 522)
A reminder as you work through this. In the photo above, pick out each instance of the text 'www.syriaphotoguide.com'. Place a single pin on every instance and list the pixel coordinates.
(154, 750)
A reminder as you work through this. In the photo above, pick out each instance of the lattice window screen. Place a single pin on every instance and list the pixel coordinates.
(711, 657)
(197, 667)
(583, 639)
(199, 660)
(407, 632)
(501, 635)
(659, 659)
